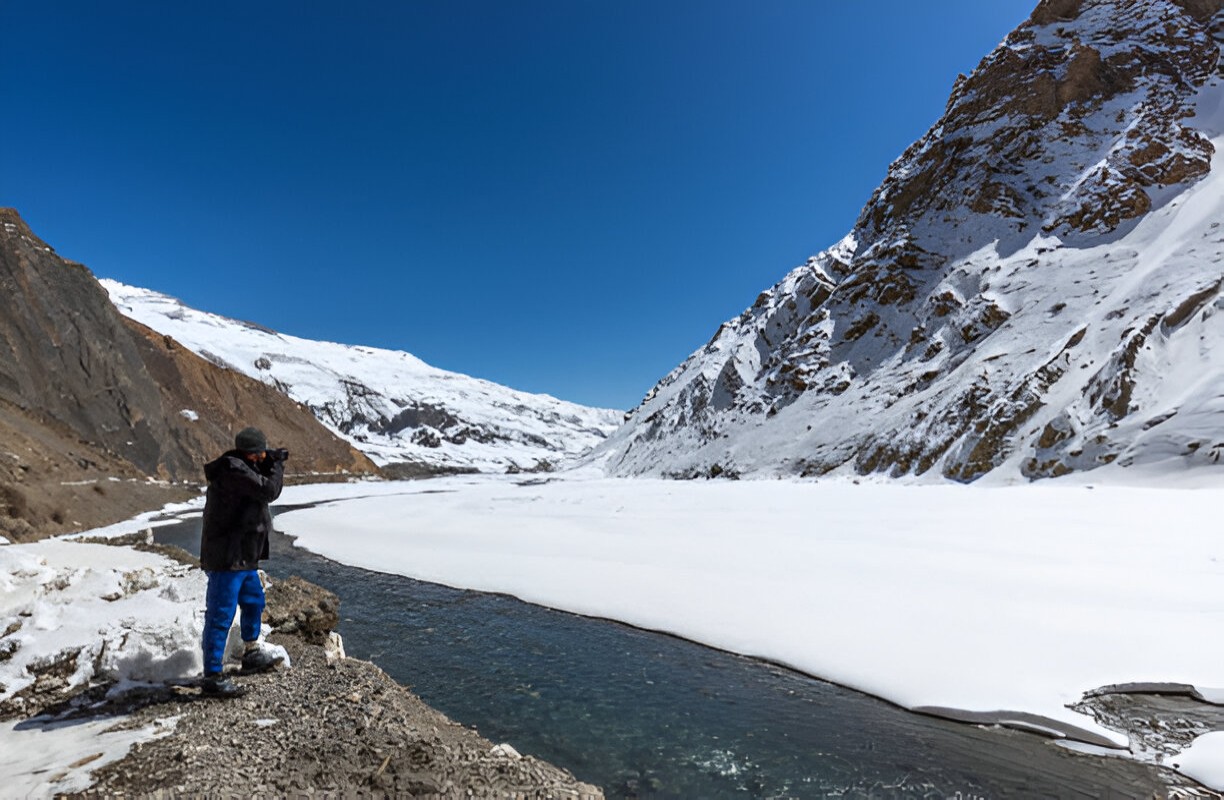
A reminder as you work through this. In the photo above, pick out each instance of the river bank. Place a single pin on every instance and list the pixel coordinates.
(342, 728)
(95, 641)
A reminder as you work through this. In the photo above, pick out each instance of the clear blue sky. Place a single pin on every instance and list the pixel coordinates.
(564, 196)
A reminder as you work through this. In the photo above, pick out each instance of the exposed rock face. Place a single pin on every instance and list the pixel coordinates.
(1001, 294)
(66, 358)
(91, 405)
(1068, 125)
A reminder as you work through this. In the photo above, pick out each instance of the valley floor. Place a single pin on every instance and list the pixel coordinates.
(1011, 605)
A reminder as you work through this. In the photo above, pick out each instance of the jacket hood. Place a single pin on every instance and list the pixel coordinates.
(229, 460)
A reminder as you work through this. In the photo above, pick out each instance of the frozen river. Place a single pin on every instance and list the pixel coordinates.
(648, 715)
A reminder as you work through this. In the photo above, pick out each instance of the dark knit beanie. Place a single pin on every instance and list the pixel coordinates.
(250, 440)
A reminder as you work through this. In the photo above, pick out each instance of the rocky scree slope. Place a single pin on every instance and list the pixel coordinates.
(1032, 290)
(409, 417)
(92, 407)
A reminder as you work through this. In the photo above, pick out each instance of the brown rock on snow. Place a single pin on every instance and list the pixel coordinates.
(928, 345)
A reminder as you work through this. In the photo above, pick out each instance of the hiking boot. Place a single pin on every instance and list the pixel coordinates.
(259, 660)
(220, 686)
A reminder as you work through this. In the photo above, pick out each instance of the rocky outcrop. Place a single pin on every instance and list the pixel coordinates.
(66, 359)
(998, 301)
(300, 608)
(1069, 125)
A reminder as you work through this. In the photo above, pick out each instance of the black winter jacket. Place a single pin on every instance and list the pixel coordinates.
(236, 516)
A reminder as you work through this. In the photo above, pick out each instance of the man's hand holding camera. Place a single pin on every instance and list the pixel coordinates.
(272, 457)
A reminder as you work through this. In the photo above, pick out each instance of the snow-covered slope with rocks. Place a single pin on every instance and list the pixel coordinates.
(406, 415)
(1033, 290)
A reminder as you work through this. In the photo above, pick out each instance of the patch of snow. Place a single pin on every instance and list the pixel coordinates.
(1203, 760)
(113, 615)
(1211, 695)
(130, 615)
(47, 758)
(167, 515)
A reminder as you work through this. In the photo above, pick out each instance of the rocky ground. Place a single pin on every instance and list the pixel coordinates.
(342, 729)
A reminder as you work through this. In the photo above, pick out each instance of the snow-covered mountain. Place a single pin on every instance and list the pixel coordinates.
(409, 417)
(1034, 289)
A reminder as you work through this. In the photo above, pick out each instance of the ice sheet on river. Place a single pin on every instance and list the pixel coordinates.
(1002, 603)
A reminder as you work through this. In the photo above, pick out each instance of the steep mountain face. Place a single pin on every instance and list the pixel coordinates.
(67, 359)
(409, 417)
(92, 407)
(1032, 290)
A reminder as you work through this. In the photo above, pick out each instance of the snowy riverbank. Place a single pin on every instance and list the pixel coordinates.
(72, 613)
(98, 646)
(1006, 603)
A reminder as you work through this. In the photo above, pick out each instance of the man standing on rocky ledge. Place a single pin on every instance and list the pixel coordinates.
(241, 483)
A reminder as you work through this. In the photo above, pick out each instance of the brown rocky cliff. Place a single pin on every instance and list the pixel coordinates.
(1004, 141)
(66, 357)
(93, 406)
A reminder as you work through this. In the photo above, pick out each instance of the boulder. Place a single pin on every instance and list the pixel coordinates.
(298, 607)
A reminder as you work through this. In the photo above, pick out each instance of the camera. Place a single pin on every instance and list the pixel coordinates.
(277, 454)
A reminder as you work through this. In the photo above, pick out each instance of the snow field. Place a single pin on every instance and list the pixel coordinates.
(358, 392)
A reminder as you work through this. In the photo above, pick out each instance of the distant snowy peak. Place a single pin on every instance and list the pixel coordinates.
(406, 415)
(1031, 291)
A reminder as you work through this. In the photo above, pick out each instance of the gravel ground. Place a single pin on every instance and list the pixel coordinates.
(342, 729)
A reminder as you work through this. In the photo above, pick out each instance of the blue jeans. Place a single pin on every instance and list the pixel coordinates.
(228, 591)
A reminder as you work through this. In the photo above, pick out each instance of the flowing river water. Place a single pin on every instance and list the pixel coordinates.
(648, 715)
